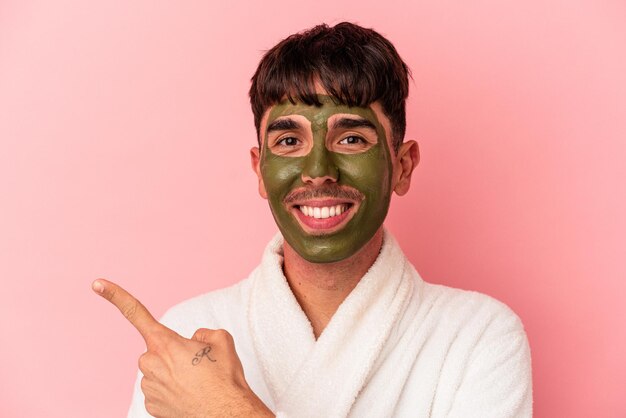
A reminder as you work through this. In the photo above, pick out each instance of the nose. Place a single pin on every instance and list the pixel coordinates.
(319, 167)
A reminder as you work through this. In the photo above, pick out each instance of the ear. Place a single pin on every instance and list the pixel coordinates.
(255, 160)
(406, 160)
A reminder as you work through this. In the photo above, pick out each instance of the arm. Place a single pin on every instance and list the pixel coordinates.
(498, 379)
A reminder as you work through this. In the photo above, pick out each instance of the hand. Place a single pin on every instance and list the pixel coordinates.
(197, 377)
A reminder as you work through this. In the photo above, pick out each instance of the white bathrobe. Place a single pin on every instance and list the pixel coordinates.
(396, 347)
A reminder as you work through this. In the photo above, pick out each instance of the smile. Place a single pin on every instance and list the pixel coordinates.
(322, 217)
(324, 211)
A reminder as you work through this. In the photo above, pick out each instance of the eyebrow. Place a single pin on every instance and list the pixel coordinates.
(283, 125)
(351, 123)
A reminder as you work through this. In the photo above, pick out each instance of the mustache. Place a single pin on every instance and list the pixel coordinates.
(329, 191)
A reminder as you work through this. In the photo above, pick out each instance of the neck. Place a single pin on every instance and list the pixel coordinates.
(321, 287)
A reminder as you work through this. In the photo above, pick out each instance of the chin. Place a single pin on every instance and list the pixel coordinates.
(323, 257)
(322, 250)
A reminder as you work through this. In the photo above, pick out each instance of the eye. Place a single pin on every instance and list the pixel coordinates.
(289, 141)
(352, 140)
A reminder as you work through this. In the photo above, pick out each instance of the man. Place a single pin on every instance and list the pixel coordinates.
(335, 321)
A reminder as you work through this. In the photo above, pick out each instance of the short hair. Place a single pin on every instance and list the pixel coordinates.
(356, 66)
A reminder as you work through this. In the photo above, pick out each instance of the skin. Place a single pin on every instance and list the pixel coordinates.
(365, 169)
(198, 377)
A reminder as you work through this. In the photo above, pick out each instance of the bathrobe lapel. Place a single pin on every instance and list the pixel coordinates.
(323, 378)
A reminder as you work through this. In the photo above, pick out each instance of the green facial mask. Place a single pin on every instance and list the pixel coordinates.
(368, 172)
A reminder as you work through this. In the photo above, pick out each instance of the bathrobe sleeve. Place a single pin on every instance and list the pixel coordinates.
(498, 379)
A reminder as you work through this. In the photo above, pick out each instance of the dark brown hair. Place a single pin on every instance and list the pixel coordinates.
(356, 66)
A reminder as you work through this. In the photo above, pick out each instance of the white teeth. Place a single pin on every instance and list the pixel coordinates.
(323, 212)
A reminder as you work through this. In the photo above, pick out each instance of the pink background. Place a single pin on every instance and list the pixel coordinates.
(125, 129)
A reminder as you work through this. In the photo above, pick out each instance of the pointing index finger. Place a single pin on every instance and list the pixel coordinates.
(130, 307)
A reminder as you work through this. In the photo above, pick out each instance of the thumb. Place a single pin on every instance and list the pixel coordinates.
(203, 335)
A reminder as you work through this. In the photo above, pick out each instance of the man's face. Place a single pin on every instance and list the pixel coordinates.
(327, 173)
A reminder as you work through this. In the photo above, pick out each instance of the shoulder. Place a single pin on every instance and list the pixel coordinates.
(487, 343)
(460, 308)
(214, 309)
